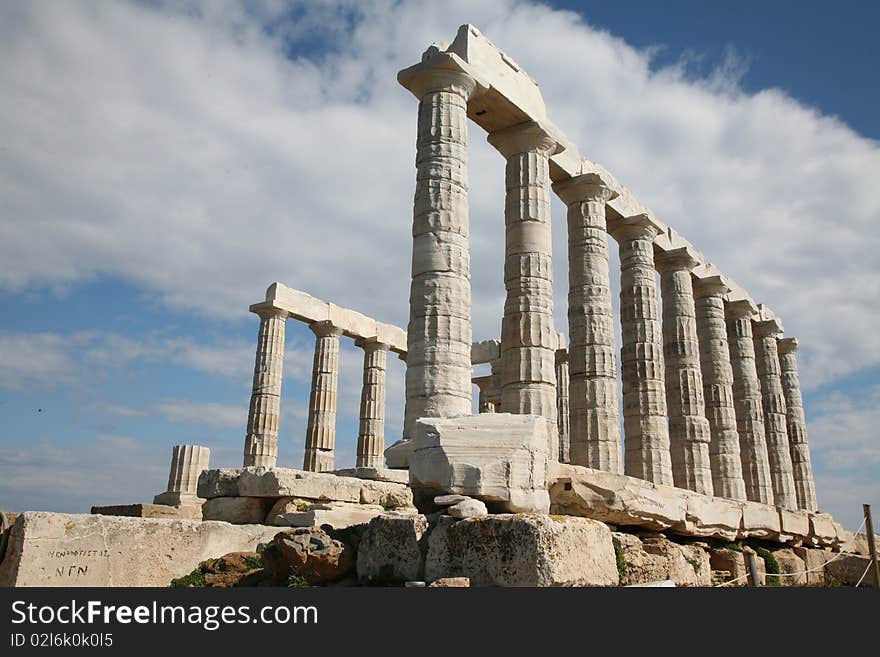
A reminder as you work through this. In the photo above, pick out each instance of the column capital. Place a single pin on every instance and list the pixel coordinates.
(523, 138)
(768, 328)
(740, 309)
(371, 344)
(325, 329)
(483, 382)
(634, 227)
(585, 187)
(266, 309)
(711, 286)
(787, 345)
(675, 260)
(439, 71)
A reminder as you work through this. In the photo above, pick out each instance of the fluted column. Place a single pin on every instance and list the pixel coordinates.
(438, 366)
(563, 404)
(747, 402)
(595, 418)
(187, 463)
(805, 488)
(528, 337)
(724, 448)
(689, 433)
(645, 425)
(321, 429)
(371, 434)
(261, 444)
(767, 363)
(486, 385)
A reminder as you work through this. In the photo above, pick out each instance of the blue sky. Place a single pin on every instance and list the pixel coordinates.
(150, 194)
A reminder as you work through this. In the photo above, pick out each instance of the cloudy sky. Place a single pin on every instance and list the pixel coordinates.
(162, 163)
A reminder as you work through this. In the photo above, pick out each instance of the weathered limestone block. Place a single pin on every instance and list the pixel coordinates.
(498, 458)
(802, 468)
(397, 455)
(469, 508)
(261, 444)
(760, 521)
(814, 564)
(391, 551)
(657, 558)
(724, 448)
(371, 434)
(748, 402)
(438, 365)
(450, 582)
(794, 526)
(824, 532)
(847, 569)
(238, 510)
(186, 511)
(778, 452)
(646, 429)
(60, 549)
(689, 432)
(450, 500)
(282, 482)
(386, 494)
(528, 337)
(616, 499)
(321, 427)
(791, 567)
(336, 514)
(711, 517)
(595, 421)
(523, 550)
(731, 561)
(376, 474)
(220, 482)
(307, 552)
(858, 543)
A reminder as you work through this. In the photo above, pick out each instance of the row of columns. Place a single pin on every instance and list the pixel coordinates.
(261, 444)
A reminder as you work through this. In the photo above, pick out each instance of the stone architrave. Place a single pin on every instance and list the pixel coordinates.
(261, 444)
(563, 404)
(438, 365)
(641, 354)
(595, 419)
(321, 429)
(689, 433)
(747, 402)
(528, 336)
(724, 448)
(371, 435)
(805, 488)
(778, 453)
(187, 463)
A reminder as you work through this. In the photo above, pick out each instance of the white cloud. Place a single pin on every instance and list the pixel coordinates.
(207, 414)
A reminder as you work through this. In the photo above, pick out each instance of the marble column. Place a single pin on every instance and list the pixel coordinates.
(563, 404)
(528, 336)
(595, 418)
(371, 434)
(646, 431)
(724, 449)
(805, 488)
(689, 433)
(486, 385)
(769, 374)
(747, 402)
(438, 366)
(261, 444)
(187, 463)
(321, 429)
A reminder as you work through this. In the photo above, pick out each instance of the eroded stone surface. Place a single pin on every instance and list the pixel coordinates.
(523, 550)
(498, 458)
(390, 550)
(657, 558)
(467, 509)
(60, 549)
(237, 510)
(187, 511)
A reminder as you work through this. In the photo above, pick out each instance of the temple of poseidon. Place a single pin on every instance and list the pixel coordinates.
(696, 455)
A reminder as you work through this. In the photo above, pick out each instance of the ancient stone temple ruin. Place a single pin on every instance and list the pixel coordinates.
(690, 422)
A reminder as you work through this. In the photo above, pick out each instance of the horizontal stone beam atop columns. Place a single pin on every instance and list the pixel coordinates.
(309, 309)
(485, 351)
(765, 314)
